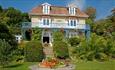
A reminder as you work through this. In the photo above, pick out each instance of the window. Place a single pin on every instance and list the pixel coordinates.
(46, 21)
(72, 22)
(72, 11)
(46, 9)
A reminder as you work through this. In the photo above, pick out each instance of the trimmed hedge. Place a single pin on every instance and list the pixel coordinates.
(34, 51)
(61, 49)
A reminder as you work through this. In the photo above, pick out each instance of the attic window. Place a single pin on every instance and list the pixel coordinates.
(71, 10)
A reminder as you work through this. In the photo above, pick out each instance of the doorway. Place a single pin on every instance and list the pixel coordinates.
(45, 39)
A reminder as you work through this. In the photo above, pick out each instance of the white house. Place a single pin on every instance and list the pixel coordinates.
(50, 18)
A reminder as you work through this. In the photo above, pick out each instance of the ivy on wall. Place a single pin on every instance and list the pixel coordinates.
(36, 34)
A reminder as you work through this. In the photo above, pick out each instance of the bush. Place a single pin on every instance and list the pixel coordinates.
(58, 36)
(94, 48)
(34, 51)
(74, 41)
(5, 53)
(61, 49)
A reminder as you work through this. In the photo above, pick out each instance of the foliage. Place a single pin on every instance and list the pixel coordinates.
(36, 34)
(61, 49)
(74, 41)
(7, 36)
(1, 9)
(96, 48)
(58, 36)
(91, 12)
(34, 51)
(59, 45)
(13, 18)
(5, 53)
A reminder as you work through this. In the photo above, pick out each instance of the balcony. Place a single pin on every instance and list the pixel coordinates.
(54, 25)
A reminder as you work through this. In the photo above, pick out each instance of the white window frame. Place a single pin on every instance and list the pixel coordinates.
(46, 9)
(46, 21)
(72, 22)
(71, 10)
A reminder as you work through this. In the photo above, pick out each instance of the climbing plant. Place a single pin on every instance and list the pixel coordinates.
(36, 34)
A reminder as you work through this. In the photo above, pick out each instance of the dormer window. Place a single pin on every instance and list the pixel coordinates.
(71, 10)
(46, 8)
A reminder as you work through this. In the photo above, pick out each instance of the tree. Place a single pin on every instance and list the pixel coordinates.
(106, 27)
(13, 18)
(7, 36)
(25, 17)
(91, 12)
(1, 9)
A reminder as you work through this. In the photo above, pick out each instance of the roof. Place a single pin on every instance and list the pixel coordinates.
(57, 10)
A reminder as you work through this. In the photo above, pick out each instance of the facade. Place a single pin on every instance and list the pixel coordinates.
(50, 18)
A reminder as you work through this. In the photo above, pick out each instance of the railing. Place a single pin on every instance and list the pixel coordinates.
(54, 25)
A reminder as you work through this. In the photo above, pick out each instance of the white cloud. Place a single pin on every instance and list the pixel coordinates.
(78, 3)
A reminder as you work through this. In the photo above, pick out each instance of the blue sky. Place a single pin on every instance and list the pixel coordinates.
(103, 7)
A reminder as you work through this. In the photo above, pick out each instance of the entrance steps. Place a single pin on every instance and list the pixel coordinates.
(48, 50)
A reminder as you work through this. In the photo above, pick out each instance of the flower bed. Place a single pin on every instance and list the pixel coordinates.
(52, 63)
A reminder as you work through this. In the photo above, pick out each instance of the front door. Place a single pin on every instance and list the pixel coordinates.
(45, 39)
(46, 36)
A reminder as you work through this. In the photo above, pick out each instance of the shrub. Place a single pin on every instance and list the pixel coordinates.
(61, 49)
(74, 41)
(58, 36)
(34, 51)
(5, 53)
(93, 48)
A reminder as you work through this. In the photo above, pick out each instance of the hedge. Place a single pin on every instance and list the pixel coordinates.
(61, 49)
(34, 51)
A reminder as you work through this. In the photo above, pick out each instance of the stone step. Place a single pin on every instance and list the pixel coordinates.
(48, 50)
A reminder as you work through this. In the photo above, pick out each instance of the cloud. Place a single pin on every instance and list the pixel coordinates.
(78, 3)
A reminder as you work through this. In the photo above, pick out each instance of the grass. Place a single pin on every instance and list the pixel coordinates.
(94, 65)
(24, 66)
(89, 65)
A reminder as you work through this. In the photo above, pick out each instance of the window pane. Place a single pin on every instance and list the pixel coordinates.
(74, 23)
(71, 23)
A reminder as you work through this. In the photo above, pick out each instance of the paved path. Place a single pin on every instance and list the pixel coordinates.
(70, 67)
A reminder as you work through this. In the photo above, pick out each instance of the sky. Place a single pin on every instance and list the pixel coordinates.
(103, 7)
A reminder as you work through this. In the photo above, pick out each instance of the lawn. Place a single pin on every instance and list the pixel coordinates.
(94, 65)
(89, 65)
(23, 66)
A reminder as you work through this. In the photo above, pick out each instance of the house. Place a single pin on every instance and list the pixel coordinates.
(50, 18)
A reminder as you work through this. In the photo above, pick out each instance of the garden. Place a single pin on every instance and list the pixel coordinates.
(95, 53)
